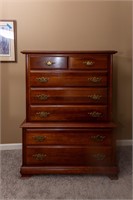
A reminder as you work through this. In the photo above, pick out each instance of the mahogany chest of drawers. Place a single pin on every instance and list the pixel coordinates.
(68, 127)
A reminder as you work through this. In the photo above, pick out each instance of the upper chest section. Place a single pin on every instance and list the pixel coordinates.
(81, 60)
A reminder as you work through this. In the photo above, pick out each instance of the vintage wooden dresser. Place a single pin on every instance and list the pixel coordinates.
(68, 127)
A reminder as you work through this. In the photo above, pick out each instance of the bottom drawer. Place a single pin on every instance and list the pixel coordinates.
(68, 155)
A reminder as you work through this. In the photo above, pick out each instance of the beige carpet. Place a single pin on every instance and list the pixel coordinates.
(64, 186)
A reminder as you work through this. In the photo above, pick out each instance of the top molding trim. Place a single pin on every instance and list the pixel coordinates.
(68, 52)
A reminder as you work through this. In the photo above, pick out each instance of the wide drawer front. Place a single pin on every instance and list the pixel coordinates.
(47, 62)
(88, 62)
(68, 79)
(68, 96)
(67, 113)
(68, 155)
(67, 137)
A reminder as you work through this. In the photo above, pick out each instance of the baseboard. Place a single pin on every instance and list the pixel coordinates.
(10, 146)
(19, 145)
(124, 142)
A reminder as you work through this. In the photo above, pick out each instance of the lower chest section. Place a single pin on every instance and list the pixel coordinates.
(68, 147)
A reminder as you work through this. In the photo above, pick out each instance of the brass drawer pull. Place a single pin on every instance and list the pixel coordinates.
(42, 79)
(39, 138)
(49, 63)
(39, 156)
(42, 97)
(99, 156)
(88, 63)
(43, 114)
(95, 114)
(95, 97)
(95, 79)
(97, 138)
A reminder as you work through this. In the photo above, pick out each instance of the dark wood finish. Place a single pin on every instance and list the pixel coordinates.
(62, 96)
(67, 113)
(47, 62)
(68, 53)
(89, 62)
(89, 137)
(68, 79)
(68, 155)
(68, 127)
(111, 171)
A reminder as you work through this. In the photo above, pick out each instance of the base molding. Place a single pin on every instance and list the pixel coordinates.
(124, 142)
(32, 170)
(14, 146)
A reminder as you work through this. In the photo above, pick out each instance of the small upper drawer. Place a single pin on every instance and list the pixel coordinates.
(47, 62)
(88, 61)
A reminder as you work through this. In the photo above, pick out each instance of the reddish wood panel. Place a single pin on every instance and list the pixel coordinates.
(68, 126)
(111, 171)
(68, 155)
(68, 79)
(68, 137)
(88, 62)
(47, 62)
(64, 96)
(68, 53)
(68, 113)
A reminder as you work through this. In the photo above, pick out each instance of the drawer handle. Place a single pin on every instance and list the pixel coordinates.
(98, 138)
(95, 114)
(88, 63)
(95, 97)
(39, 156)
(49, 63)
(42, 79)
(42, 97)
(95, 79)
(39, 138)
(43, 114)
(99, 156)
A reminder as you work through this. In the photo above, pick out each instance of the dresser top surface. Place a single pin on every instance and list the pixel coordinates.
(68, 52)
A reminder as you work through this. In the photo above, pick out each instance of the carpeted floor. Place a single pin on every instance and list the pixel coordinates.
(64, 186)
